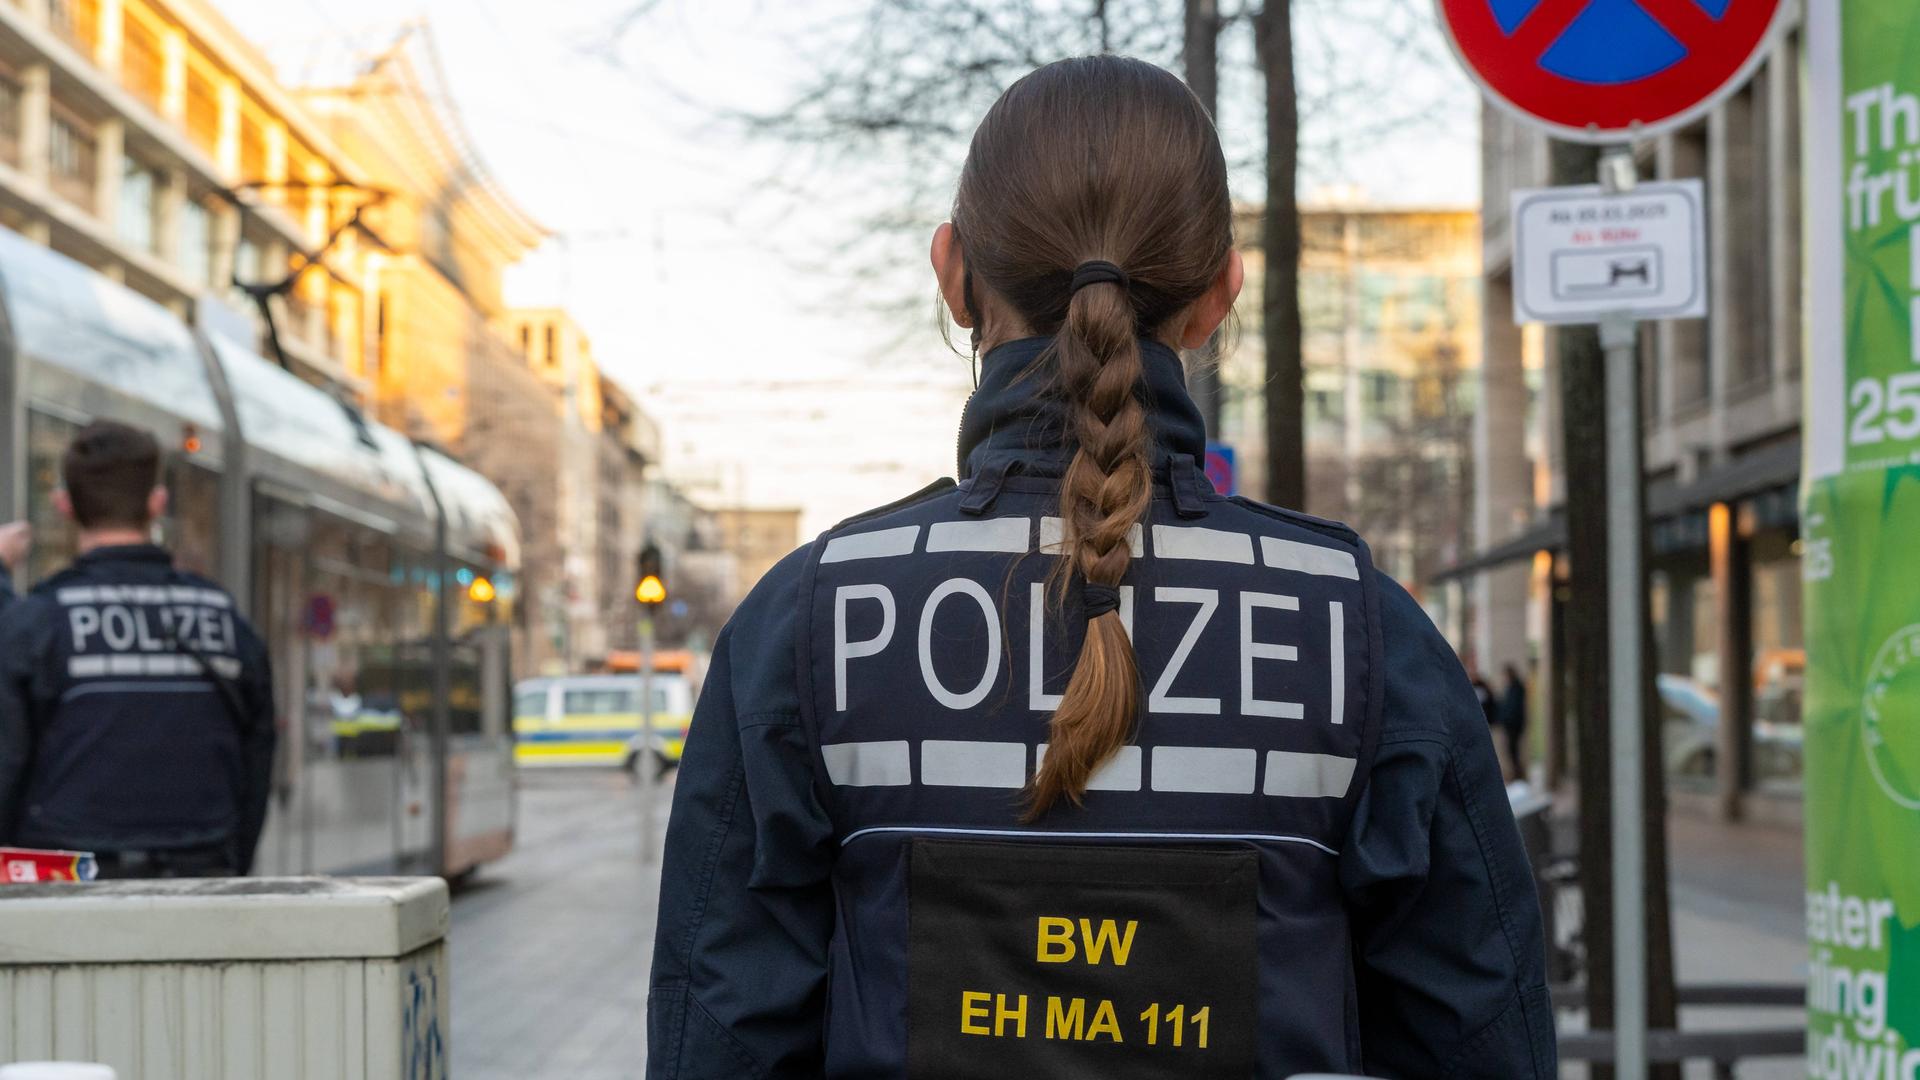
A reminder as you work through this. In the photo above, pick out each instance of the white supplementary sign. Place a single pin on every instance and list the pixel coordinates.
(1580, 253)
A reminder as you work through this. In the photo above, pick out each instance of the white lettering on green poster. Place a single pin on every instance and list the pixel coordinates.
(1860, 517)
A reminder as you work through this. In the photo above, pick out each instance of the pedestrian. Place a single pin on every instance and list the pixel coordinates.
(16, 539)
(136, 713)
(1513, 720)
(1078, 768)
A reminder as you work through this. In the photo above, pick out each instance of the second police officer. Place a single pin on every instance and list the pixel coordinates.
(1076, 768)
(136, 713)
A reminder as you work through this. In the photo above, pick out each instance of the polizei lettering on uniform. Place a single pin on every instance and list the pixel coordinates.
(965, 606)
(148, 630)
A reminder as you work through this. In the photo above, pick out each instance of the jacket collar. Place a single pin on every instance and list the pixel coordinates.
(1016, 419)
(122, 553)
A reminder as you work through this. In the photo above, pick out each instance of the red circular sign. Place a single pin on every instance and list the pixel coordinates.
(1609, 70)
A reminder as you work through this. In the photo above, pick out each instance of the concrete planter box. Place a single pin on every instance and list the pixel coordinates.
(229, 978)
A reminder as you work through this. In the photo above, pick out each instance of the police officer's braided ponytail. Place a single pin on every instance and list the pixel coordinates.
(1094, 207)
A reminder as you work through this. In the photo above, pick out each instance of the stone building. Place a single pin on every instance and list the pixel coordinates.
(153, 143)
(1390, 312)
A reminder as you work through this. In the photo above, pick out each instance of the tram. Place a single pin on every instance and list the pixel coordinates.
(381, 573)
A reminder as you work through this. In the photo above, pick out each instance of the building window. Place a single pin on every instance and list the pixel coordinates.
(142, 65)
(553, 354)
(526, 342)
(139, 204)
(253, 150)
(71, 159)
(76, 21)
(196, 242)
(203, 111)
(9, 120)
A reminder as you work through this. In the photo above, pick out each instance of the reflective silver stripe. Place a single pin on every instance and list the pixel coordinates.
(155, 664)
(997, 534)
(1038, 834)
(1205, 769)
(952, 763)
(86, 667)
(1053, 532)
(183, 594)
(869, 764)
(1337, 651)
(200, 686)
(1193, 542)
(1120, 773)
(77, 594)
(215, 598)
(1308, 558)
(1307, 776)
(882, 544)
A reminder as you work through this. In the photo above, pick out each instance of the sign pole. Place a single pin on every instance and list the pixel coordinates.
(644, 763)
(1619, 337)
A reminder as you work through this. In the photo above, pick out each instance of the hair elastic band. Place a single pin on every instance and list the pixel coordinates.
(1096, 272)
(1097, 600)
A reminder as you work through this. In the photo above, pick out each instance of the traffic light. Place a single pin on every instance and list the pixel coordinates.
(652, 587)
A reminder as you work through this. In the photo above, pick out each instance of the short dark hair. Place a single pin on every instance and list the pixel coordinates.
(109, 470)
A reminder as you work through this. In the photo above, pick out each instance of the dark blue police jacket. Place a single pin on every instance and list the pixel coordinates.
(1303, 862)
(136, 711)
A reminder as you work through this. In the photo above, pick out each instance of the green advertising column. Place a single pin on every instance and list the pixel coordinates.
(1861, 527)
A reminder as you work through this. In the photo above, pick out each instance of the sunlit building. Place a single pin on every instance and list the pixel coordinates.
(1390, 313)
(152, 143)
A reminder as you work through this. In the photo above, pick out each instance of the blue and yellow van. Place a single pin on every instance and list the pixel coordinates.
(595, 720)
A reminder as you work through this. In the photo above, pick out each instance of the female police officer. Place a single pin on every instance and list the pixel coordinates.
(1075, 768)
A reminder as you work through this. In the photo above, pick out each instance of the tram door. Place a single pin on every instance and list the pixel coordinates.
(346, 610)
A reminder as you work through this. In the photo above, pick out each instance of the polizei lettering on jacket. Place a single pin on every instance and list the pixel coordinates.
(962, 605)
(148, 630)
(1271, 627)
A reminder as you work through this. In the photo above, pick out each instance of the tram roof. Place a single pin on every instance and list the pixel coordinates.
(479, 518)
(65, 315)
(305, 426)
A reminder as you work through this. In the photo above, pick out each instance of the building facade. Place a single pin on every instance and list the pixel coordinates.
(759, 537)
(1390, 314)
(153, 143)
(1722, 402)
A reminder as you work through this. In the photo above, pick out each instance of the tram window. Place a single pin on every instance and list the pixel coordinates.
(361, 642)
(192, 527)
(464, 704)
(47, 439)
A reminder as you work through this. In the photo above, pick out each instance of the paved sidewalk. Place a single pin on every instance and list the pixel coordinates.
(551, 945)
(1738, 902)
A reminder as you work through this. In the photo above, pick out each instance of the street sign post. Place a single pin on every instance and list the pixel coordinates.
(1610, 72)
(1583, 253)
(1607, 71)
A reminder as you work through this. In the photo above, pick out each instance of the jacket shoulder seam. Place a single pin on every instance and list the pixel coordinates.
(1331, 529)
(933, 490)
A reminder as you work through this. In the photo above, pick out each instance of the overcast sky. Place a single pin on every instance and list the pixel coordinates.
(670, 252)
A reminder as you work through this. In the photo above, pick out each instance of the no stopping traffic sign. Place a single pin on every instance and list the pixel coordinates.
(1609, 70)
